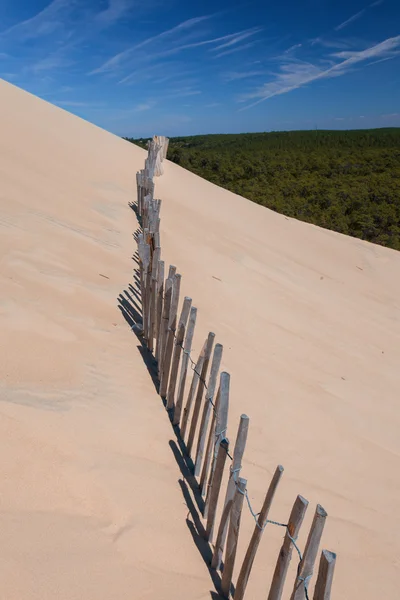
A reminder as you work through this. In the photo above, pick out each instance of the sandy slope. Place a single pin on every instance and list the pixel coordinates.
(90, 505)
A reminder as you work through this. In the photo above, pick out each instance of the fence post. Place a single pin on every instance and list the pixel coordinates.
(212, 382)
(184, 365)
(209, 449)
(169, 342)
(187, 303)
(256, 537)
(221, 423)
(165, 316)
(325, 575)
(310, 554)
(233, 536)
(238, 452)
(193, 387)
(153, 298)
(159, 307)
(164, 320)
(222, 451)
(200, 390)
(285, 554)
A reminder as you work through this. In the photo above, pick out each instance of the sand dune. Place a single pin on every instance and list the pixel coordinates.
(91, 506)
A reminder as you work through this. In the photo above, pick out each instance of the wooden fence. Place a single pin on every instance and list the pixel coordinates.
(198, 407)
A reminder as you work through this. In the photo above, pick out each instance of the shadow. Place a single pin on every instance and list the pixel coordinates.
(186, 467)
(198, 534)
(136, 235)
(129, 310)
(130, 305)
(135, 257)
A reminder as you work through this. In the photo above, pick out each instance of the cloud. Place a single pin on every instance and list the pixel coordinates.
(73, 104)
(182, 92)
(237, 49)
(116, 9)
(234, 75)
(45, 22)
(292, 48)
(296, 74)
(115, 61)
(144, 106)
(49, 63)
(238, 37)
(350, 20)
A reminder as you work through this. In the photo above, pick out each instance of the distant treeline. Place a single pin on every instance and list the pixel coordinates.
(347, 181)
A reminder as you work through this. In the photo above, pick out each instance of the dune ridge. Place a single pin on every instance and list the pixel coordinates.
(309, 320)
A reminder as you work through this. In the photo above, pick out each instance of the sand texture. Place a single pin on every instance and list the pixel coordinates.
(91, 504)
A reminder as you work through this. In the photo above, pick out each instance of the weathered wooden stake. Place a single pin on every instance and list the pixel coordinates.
(153, 298)
(222, 450)
(159, 307)
(165, 317)
(209, 449)
(325, 575)
(207, 409)
(310, 554)
(192, 390)
(169, 344)
(233, 536)
(200, 390)
(285, 553)
(184, 365)
(187, 303)
(238, 452)
(164, 320)
(256, 537)
(221, 424)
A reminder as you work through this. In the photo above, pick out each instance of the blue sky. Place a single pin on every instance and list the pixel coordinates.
(210, 66)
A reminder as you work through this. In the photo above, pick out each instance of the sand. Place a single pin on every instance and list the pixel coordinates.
(91, 505)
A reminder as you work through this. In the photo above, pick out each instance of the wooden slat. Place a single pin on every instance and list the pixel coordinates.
(233, 536)
(326, 569)
(222, 449)
(285, 554)
(221, 424)
(169, 344)
(153, 298)
(200, 391)
(165, 317)
(192, 390)
(204, 478)
(184, 365)
(256, 537)
(238, 452)
(159, 307)
(207, 409)
(164, 320)
(310, 554)
(180, 334)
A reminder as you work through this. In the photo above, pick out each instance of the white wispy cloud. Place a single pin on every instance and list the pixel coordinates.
(73, 104)
(350, 20)
(55, 61)
(236, 49)
(116, 10)
(144, 106)
(236, 75)
(293, 48)
(45, 22)
(117, 59)
(296, 74)
(237, 37)
(182, 92)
